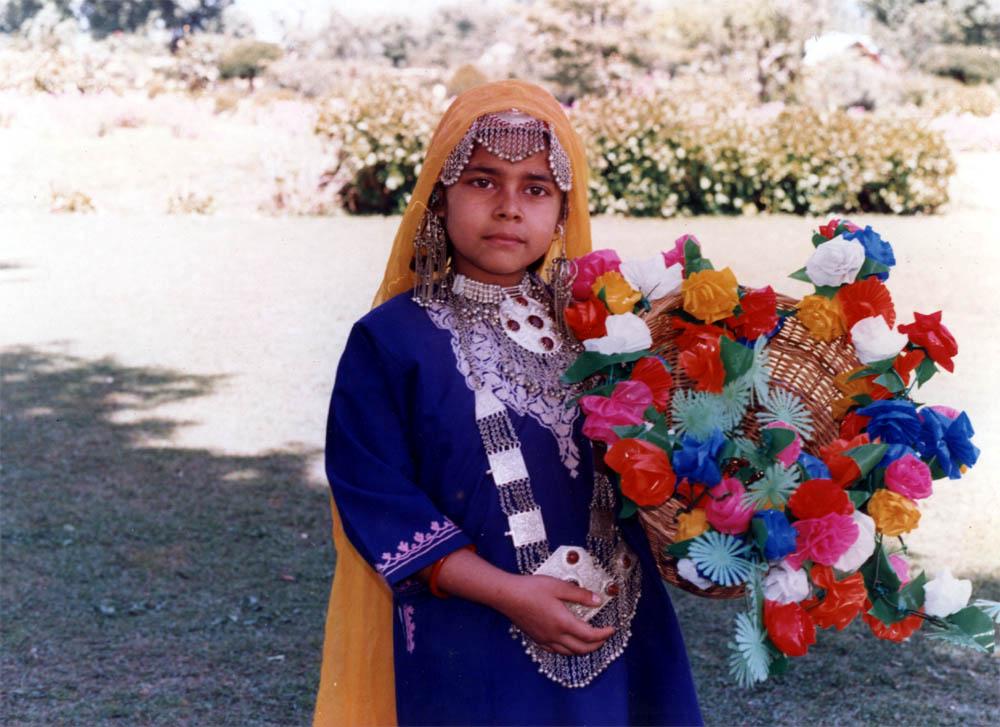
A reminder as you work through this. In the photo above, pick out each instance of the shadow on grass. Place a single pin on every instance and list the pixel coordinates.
(848, 677)
(143, 584)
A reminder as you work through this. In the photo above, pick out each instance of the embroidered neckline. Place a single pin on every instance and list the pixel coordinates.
(480, 292)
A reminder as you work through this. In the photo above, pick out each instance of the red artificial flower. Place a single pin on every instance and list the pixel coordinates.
(843, 469)
(646, 475)
(907, 361)
(789, 627)
(691, 493)
(842, 601)
(759, 316)
(829, 230)
(899, 631)
(703, 365)
(652, 371)
(587, 319)
(853, 424)
(816, 498)
(928, 332)
(865, 299)
(692, 334)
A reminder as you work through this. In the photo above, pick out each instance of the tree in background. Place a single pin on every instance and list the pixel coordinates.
(104, 17)
(248, 59)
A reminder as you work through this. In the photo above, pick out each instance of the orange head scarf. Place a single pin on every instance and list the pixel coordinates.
(357, 684)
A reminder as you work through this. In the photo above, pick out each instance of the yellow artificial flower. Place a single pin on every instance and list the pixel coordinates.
(711, 295)
(849, 388)
(619, 296)
(823, 317)
(893, 513)
(691, 524)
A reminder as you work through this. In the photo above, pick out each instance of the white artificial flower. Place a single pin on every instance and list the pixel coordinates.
(785, 584)
(945, 594)
(652, 277)
(862, 548)
(687, 570)
(627, 333)
(836, 262)
(875, 341)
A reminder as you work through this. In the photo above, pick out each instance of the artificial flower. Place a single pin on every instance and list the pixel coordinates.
(907, 361)
(614, 290)
(823, 539)
(835, 262)
(626, 333)
(784, 584)
(874, 341)
(691, 524)
(690, 493)
(893, 514)
(852, 425)
(725, 509)
(822, 317)
(862, 548)
(816, 498)
(687, 570)
(591, 265)
(625, 406)
(842, 600)
(829, 230)
(697, 459)
(864, 299)
(676, 256)
(652, 371)
(789, 454)
(703, 365)
(781, 535)
(587, 319)
(944, 594)
(876, 248)
(893, 422)
(948, 440)
(929, 333)
(652, 278)
(843, 469)
(759, 313)
(646, 475)
(789, 627)
(910, 477)
(691, 334)
(901, 568)
(710, 295)
(898, 632)
(814, 466)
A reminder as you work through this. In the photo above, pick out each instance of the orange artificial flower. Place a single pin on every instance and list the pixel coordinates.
(710, 295)
(822, 317)
(587, 319)
(619, 296)
(865, 299)
(647, 477)
(899, 631)
(842, 601)
(691, 524)
(652, 371)
(894, 514)
(843, 469)
(703, 365)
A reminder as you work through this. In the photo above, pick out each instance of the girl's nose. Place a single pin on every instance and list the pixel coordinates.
(507, 207)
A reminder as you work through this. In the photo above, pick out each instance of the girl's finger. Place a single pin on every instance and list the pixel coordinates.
(578, 646)
(557, 648)
(590, 634)
(575, 594)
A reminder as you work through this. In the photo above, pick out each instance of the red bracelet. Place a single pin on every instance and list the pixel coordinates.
(436, 570)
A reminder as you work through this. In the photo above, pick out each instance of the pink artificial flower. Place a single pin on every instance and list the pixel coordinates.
(676, 256)
(725, 510)
(945, 411)
(823, 539)
(789, 454)
(901, 567)
(625, 406)
(910, 477)
(589, 267)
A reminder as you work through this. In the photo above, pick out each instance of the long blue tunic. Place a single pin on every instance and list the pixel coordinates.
(410, 478)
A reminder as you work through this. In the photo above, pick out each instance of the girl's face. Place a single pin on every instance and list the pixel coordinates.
(501, 216)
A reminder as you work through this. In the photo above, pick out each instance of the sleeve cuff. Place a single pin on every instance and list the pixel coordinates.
(423, 549)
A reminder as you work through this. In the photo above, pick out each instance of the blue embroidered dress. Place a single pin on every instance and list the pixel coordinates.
(412, 483)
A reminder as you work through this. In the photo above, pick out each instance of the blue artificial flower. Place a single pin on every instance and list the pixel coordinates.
(780, 534)
(894, 421)
(894, 452)
(876, 248)
(947, 441)
(815, 467)
(698, 459)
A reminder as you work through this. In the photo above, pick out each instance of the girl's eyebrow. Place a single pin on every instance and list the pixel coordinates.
(494, 171)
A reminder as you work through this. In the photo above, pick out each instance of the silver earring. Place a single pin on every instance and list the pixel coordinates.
(430, 256)
(562, 272)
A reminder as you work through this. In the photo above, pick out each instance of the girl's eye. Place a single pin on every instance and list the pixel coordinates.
(537, 191)
(481, 183)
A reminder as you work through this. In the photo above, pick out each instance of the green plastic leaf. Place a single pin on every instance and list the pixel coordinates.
(886, 612)
(801, 274)
(629, 431)
(602, 295)
(679, 550)
(892, 381)
(693, 261)
(882, 366)
(858, 497)
(971, 628)
(867, 456)
(911, 596)
(776, 440)
(759, 531)
(589, 363)
(659, 435)
(925, 371)
(750, 657)
(779, 665)
(871, 267)
(827, 291)
(882, 584)
(629, 508)
(736, 358)
(990, 608)
(818, 239)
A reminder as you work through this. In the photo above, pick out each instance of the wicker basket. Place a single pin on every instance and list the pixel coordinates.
(799, 363)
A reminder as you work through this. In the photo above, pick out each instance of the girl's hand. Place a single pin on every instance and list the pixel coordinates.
(536, 605)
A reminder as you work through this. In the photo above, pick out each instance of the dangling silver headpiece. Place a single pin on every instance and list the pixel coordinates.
(512, 136)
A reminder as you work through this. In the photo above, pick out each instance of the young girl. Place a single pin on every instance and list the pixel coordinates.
(460, 475)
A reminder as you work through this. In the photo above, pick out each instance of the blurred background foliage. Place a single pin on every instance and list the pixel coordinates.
(711, 107)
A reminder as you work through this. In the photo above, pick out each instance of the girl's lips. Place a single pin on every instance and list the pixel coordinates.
(504, 240)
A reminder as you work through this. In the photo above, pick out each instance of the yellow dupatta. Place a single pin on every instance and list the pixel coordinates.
(357, 683)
